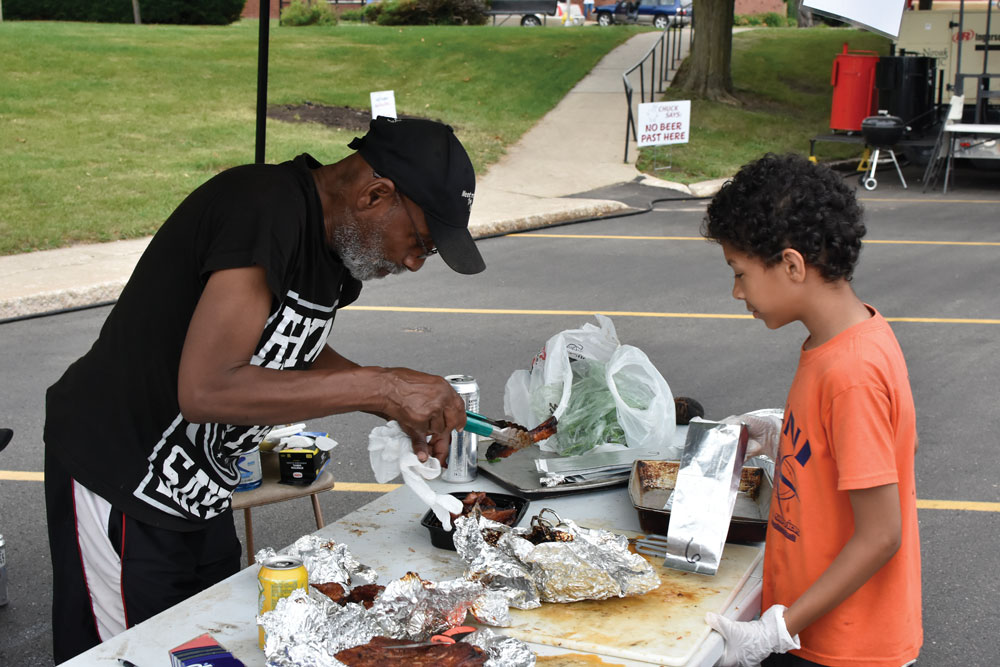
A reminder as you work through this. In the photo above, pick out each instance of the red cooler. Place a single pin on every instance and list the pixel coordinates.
(854, 96)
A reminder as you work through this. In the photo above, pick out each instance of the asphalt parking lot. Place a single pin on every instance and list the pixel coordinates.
(929, 265)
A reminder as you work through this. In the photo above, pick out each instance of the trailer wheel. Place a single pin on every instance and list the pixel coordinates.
(870, 183)
(530, 21)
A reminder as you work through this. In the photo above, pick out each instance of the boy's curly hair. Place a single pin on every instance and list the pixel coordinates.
(785, 201)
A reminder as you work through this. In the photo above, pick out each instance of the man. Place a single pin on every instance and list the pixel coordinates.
(221, 332)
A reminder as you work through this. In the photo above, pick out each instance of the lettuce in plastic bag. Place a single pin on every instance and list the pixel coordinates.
(591, 417)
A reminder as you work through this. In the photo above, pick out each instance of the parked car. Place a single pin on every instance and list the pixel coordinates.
(658, 12)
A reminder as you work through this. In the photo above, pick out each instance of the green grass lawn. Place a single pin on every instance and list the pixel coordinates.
(783, 78)
(105, 128)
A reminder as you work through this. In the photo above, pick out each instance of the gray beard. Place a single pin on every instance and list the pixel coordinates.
(365, 261)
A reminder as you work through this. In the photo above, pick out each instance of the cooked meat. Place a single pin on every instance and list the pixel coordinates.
(500, 516)
(477, 498)
(479, 502)
(524, 438)
(541, 533)
(332, 590)
(365, 594)
(377, 654)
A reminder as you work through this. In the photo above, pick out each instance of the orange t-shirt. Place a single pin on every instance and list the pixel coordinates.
(849, 424)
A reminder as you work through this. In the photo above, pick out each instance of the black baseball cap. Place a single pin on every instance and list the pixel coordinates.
(428, 164)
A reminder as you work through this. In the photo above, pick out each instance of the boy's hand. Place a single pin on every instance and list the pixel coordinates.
(749, 642)
(764, 429)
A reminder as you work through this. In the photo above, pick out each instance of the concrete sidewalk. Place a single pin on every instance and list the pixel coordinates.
(571, 150)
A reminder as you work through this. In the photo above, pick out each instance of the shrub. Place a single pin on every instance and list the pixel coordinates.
(770, 19)
(189, 12)
(427, 12)
(774, 20)
(312, 13)
(352, 15)
(746, 19)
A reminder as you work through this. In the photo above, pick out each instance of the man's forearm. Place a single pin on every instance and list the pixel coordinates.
(254, 395)
(331, 360)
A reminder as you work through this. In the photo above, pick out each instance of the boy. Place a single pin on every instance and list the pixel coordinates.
(842, 558)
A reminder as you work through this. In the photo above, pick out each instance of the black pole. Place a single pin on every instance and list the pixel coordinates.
(262, 42)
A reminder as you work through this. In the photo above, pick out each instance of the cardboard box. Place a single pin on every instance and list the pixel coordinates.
(302, 465)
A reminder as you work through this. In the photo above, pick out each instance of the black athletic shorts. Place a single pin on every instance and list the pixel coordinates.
(110, 572)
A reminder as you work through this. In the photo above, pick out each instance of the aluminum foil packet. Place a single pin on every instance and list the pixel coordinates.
(569, 563)
(412, 608)
(307, 629)
(704, 495)
(326, 561)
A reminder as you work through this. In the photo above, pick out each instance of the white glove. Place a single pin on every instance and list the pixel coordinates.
(764, 429)
(749, 642)
(391, 454)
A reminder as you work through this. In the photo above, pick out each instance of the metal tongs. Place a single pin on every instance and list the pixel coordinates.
(508, 437)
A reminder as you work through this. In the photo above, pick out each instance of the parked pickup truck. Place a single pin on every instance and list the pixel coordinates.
(658, 12)
(530, 11)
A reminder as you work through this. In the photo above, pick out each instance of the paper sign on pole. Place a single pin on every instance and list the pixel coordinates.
(883, 16)
(664, 123)
(383, 104)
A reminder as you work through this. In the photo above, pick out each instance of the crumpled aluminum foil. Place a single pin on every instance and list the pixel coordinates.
(552, 479)
(326, 561)
(307, 629)
(594, 565)
(412, 608)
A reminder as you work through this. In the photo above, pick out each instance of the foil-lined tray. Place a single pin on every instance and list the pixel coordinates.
(651, 483)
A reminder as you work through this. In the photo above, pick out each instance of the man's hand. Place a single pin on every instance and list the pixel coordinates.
(427, 408)
(749, 642)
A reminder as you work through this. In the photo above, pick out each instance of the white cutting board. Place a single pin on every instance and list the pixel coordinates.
(665, 626)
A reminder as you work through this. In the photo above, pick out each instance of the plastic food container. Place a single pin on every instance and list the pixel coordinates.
(444, 539)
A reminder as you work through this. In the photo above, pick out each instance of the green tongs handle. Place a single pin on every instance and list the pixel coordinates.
(478, 424)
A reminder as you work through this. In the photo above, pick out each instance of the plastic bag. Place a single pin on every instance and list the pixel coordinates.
(643, 405)
(532, 396)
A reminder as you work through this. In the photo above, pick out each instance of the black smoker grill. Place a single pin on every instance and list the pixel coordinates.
(881, 133)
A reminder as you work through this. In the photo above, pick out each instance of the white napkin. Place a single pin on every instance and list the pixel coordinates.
(391, 454)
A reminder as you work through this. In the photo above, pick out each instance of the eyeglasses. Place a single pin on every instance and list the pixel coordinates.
(420, 239)
(428, 252)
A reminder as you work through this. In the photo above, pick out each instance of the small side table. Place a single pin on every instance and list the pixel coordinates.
(271, 491)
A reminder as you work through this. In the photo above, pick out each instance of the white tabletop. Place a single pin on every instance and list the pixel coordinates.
(385, 534)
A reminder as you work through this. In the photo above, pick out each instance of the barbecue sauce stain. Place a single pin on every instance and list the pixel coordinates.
(573, 660)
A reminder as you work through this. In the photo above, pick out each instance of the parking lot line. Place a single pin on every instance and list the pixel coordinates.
(365, 487)
(625, 313)
(928, 201)
(617, 237)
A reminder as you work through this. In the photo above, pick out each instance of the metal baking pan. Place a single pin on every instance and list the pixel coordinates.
(517, 472)
(651, 482)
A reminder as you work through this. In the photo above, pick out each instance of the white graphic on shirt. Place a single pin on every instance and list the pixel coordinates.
(192, 469)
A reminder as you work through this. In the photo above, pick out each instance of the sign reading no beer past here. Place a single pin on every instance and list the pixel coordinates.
(664, 123)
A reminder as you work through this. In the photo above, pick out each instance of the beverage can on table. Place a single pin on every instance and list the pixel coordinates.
(278, 577)
(463, 464)
(3, 572)
(251, 476)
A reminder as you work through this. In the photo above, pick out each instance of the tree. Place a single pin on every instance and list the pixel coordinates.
(706, 72)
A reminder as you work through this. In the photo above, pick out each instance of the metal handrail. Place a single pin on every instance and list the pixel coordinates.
(669, 44)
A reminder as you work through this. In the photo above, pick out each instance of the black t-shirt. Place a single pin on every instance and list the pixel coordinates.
(113, 418)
